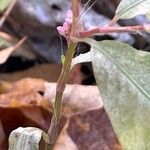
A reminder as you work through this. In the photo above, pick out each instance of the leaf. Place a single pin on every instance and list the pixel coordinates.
(130, 8)
(75, 98)
(81, 59)
(22, 105)
(9, 40)
(82, 117)
(4, 54)
(88, 121)
(123, 77)
(4, 4)
(25, 138)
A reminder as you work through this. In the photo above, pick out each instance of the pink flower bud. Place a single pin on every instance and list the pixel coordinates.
(66, 26)
(69, 20)
(65, 29)
(69, 14)
(61, 30)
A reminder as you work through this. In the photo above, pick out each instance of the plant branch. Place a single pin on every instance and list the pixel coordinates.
(111, 29)
(7, 12)
(9, 38)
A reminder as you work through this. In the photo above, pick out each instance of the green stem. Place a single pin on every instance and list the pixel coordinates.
(61, 83)
(53, 130)
(49, 147)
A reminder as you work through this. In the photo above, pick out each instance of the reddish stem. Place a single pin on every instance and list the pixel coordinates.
(75, 10)
(110, 29)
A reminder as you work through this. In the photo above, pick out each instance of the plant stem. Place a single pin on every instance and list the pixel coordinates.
(110, 29)
(48, 147)
(61, 83)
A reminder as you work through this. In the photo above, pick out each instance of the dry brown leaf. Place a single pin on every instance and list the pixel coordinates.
(87, 126)
(5, 53)
(76, 98)
(22, 105)
(3, 137)
(48, 72)
(22, 93)
(92, 130)
(24, 50)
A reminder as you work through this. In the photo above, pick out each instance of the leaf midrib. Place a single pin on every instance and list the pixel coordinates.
(123, 71)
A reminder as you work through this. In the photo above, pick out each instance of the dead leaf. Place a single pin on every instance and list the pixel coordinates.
(24, 50)
(5, 53)
(48, 72)
(22, 105)
(25, 139)
(76, 98)
(88, 125)
(3, 137)
(92, 130)
(84, 124)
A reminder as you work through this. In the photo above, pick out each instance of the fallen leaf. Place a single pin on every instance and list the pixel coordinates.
(5, 53)
(84, 119)
(25, 138)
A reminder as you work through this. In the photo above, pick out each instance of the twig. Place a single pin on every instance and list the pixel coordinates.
(8, 38)
(110, 29)
(20, 42)
(4, 54)
(11, 39)
(7, 12)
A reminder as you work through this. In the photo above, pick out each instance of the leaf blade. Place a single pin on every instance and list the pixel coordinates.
(25, 138)
(129, 9)
(127, 104)
(82, 58)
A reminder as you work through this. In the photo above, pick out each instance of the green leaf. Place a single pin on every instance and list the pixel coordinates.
(123, 76)
(4, 4)
(131, 8)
